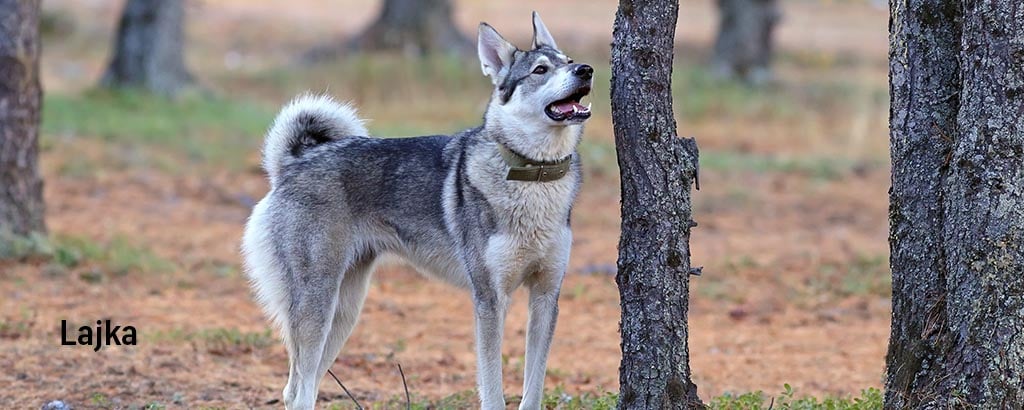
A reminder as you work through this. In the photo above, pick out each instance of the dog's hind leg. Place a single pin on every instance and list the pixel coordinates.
(314, 301)
(354, 285)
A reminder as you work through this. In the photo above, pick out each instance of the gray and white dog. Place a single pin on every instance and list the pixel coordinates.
(486, 209)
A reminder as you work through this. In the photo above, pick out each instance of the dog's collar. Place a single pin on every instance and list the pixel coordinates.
(521, 168)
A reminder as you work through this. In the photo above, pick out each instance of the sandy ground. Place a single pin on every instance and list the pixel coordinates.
(754, 324)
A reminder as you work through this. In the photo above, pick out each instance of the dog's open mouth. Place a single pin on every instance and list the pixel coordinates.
(570, 108)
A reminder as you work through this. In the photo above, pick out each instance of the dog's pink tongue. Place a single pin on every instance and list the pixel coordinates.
(567, 107)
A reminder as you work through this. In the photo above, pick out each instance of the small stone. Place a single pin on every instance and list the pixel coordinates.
(56, 405)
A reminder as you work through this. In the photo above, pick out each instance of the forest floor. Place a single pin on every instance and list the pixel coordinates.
(147, 199)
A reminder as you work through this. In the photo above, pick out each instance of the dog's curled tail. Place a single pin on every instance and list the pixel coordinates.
(307, 121)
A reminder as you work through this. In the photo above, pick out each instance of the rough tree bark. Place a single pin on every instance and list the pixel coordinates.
(743, 48)
(957, 204)
(657, 168)
(21, 188)
(148, 49)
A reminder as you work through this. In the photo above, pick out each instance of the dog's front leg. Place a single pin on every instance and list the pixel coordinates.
(490, 307)
(540, 329)
(544, 288)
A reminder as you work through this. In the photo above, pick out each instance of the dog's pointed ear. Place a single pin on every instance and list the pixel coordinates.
(541, 35)
(495, 53)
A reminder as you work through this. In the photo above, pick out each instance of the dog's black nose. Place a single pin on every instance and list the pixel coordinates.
(583, 71)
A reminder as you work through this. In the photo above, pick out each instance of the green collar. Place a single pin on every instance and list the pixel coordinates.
(521, 168)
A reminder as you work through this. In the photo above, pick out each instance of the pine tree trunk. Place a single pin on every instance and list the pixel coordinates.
(921, 135)
(416, 27)
(654, 250)
(743, 48)
(957, 205)
(21, 188)
(985, 210)
(148, 50)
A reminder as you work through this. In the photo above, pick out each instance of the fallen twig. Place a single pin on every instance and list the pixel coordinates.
(408, 400)
(358, 406)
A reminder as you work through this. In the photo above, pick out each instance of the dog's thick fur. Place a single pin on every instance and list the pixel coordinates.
(340, 200)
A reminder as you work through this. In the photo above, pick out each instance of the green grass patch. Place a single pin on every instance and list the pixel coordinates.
(154, 405)
(869, 399)
(818, 167)
(553, 399)
(558, 399)
(119, 256)
(202, 129)
(439, 94)
(232, 340)
(219, 340)
(408, 97)
(698, 94)
(599, 157)
(100, 400)
(865, 275)
(16, 327)
(399, 96)
(22, 247)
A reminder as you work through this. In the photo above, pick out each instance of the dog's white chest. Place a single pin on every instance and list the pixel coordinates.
(534, 212)
(533, 233)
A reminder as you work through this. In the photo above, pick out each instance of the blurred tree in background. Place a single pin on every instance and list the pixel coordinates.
(415, 27)
(21, 188)
(147, 52)
(411, 27)
(956, 205)
(743, 47)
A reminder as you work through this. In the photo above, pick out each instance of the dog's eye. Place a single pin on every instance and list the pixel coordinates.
(541, 69)
(569, 61)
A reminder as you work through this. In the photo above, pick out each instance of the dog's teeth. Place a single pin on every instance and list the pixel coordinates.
(588, 107)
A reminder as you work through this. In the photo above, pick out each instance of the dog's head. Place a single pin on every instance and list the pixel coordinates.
(537, 88)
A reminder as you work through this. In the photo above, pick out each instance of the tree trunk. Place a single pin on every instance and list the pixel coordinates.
(743, 48)
(148, 48)
(416, 27)
(657, 169)
(957, 205)
(21, 188)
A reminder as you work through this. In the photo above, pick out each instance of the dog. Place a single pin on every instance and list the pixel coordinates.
(486, 209)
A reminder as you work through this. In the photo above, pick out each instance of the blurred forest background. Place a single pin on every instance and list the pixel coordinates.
(147, 194)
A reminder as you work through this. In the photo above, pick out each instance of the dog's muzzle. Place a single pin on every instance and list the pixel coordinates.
(569, 108)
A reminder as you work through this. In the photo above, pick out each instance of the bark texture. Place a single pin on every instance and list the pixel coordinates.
(148, 49)
(743, 47)
(412, 27)
(923, 64)
(657, 168)
(957, 204)
(21, 188)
